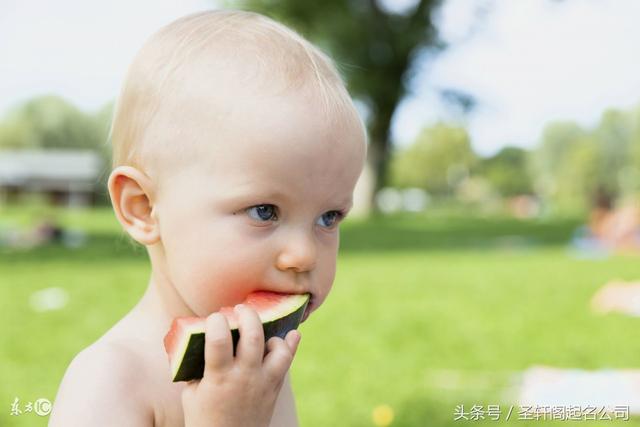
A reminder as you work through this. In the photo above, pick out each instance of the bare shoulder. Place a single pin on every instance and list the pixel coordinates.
(102, 387)
(284, 414)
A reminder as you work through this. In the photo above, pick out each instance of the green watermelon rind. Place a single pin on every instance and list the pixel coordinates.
(191, 366)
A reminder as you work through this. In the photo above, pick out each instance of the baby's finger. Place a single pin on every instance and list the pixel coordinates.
(218, 348)
(293, 339)
(251, 344)
(279, 357)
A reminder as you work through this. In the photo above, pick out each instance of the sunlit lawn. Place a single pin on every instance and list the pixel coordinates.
(426, 313)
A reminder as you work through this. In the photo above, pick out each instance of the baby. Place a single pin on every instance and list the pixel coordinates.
(236, 150)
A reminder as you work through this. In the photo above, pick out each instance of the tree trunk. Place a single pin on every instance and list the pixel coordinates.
(379, 152)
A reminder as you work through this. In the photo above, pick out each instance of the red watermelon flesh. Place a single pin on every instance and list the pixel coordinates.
(184, 343)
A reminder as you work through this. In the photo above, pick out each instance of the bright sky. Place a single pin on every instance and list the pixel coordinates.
(76, 48)
(529, 62)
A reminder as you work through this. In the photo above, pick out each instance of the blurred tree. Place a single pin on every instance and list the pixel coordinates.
(16, 131)
(50, 122)
(630, 176)
(614, 135)
(578, 169)
(101, 121)
(438, 161)
(552, 154)
(375, 47)
(507, 171)
(578, 184)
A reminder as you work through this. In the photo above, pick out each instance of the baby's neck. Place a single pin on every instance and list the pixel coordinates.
(157, 308)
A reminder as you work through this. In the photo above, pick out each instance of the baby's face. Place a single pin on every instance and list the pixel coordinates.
(260, 208)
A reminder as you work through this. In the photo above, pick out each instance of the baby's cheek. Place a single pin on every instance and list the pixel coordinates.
(326, 276)
(192, 274)
(222, 280)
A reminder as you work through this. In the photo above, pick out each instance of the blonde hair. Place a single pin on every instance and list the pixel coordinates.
(159, 69)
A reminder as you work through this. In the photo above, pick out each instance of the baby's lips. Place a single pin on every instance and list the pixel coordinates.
(308, 310)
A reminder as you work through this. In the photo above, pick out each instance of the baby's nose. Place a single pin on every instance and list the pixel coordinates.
(298, 253)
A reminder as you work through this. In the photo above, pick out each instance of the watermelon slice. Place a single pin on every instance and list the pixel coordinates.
(184, 342)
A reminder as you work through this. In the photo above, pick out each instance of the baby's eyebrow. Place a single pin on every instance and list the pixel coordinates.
(347, 205)
(255, 195)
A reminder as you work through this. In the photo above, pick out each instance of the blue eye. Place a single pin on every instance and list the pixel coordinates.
(329, 219)
(262, 212)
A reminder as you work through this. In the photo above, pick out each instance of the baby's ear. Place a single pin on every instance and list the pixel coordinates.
(132, 196)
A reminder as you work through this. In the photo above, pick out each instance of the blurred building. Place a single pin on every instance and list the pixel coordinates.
(63, 177)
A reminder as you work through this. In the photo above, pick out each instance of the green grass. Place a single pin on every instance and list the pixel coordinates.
(427, 312)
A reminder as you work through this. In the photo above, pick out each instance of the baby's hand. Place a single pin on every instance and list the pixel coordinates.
(238, 391)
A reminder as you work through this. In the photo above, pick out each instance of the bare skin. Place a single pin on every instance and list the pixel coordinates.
(136, 390)
(258, 210)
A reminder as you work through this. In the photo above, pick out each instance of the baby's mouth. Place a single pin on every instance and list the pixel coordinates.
(309, 309)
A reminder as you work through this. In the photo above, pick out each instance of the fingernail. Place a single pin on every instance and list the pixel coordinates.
(296, 336)
(297, 342)
(216, 318)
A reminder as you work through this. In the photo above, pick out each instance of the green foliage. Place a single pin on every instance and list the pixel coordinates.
(572, 168)
(576, 168)
(440, 159)
(17, 132)
(507, 171)
(51, 122)
(614, 136)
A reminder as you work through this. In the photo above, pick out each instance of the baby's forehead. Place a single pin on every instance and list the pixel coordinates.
(217, 97)
(275, 167)
(223, 124)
